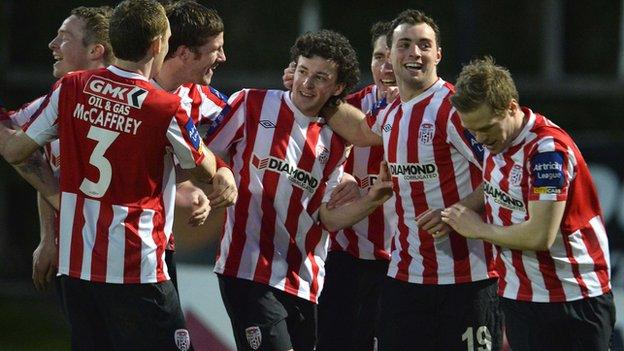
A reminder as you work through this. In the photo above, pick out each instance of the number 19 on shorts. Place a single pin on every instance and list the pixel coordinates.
(483, 337)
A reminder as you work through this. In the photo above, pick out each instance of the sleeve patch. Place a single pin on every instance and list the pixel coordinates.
(193, 134)
(477, 148)
(547, 172)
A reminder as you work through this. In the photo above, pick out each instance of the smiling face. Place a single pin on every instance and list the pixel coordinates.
(314, 83)
(205, 60)
(414, 56)
(383, 75)
(68, 47)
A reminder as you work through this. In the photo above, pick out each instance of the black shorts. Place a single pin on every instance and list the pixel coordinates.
(585, 324)
(439, 317)
(349, 302)
(171, 267)
(124, 316)
(265, 318)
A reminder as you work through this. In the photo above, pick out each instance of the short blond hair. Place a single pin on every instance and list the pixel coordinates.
(483, 82)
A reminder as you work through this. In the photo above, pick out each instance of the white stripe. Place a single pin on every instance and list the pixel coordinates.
(68, 210)
(116, 246)
(181, 148)
(148, 247)
(91, 213)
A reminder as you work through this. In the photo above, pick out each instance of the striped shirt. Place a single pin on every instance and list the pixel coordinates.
(433, 165)
(544, 164)
(115, 129)
(370, 238)
(204, 104)
(286, 165)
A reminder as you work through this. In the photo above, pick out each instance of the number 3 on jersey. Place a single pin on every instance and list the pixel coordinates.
(104, 140)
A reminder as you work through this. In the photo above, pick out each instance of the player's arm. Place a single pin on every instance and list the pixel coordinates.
(19, 149)
(350, 123)
(45, 255)
(348, 215)
(536, 234)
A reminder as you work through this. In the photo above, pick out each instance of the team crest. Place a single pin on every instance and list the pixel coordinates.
(322, 154)
(426, 132)
(254, 337)
(515, 175)
(182, 339)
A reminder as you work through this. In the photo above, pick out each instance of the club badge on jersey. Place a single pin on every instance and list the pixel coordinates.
(254, 337)
(182, 339)
(547, 172)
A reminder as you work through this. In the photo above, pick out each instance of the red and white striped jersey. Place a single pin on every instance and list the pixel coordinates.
(544, 164)
(434, 164)
(370, 238)
(115, 129)
(286, 165)
(204, 105)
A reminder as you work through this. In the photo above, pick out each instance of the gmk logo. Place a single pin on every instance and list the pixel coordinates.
(114, 91)
(298, 177)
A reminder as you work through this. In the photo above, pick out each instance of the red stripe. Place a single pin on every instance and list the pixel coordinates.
(42, 107)
(404, 258)
(77, 243)
(312, 240)
(549, 274)
(501, 269)
(270, 181)
(575, 266)
(377, 219)
(160, 238)
(99, 254)
(419, 200)
(294, 257)
(450, 192)
(253, 103)
(133, 244)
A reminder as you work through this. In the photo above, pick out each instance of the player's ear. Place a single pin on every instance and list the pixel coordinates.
(339, 88)
(156, 46)
(183, 52)
(97, 52)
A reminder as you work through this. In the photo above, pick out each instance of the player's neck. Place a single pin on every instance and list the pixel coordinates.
(167, 78)
(143, 68)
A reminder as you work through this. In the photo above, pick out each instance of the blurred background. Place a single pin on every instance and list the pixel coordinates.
(567, 58)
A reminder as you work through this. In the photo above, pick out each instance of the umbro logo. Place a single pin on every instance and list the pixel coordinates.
(387, 127)
(267, 124)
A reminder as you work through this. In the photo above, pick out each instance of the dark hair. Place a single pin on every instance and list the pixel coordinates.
(413, 17)
(192, 24)
(134, 25)
(379, 29)
(483, 82)
(331, 46)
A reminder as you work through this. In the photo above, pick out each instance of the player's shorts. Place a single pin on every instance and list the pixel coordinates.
(349, 302)
(265, 318)
(439, 317)
(171, 267)
(585, 324)
(108, 317)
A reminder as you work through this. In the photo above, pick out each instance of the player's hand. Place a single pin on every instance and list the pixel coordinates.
(224, 191)
(381, 191)
(200, 208)
(289, 75)
(45, 258)
(347, 191)
(431, 221)
(463, 220)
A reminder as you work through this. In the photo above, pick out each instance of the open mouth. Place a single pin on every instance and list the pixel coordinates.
(388, 82)
(304, 94)
(414, 66)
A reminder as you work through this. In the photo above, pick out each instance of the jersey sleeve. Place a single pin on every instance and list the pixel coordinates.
(42, 124)
(23, 115)
(463, 141)
(230, 125)
(551, 169)
(332, 182)
(185, 140)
